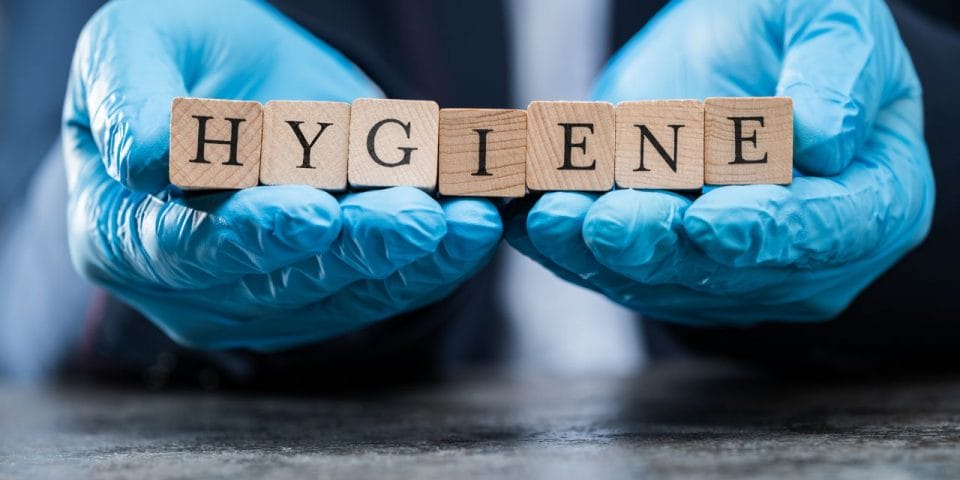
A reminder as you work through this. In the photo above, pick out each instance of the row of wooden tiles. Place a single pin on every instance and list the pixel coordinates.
(586, 146)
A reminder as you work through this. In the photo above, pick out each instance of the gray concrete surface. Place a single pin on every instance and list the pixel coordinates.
(688, 421)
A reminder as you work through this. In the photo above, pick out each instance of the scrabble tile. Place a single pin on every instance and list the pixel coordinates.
(305, 143)
(483, 152)
(570, 146)
(393, 142)
(214, 143)
(660, 145)
(748, 140)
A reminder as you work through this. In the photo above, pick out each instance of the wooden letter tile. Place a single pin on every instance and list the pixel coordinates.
(305, 143)
(483, 152)
(214, 143)
(570, 146)
(660, 144)
(748, 140)
(393, 142)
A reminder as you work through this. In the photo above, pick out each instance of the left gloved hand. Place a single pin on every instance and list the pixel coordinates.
(742, 254)
(266, 268)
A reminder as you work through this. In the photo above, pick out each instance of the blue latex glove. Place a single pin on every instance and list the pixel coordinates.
(264, 268)
(743, 254)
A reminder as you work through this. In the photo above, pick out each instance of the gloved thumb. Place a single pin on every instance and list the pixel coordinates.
(123, 81)
(839, 72)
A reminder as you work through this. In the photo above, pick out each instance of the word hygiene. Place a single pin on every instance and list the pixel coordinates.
(581, 146)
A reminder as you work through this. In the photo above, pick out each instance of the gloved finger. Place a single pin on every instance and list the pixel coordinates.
(696, 56)
(142, 239)
(121, 237)
(225, 236)
(133, 58)
(474, 229)
(383, 230)
(662, 281)
(515, 233)
(558, 232)
(574, 263)
(387, 229)
(683, 280)
(124, 77)
(284, 309)
(636, 233)
(473, 232)
(555, 228)
(842, 61)
(584, 269)
(640, 235)
(868, 210)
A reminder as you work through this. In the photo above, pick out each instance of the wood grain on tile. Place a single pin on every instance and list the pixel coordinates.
(570, 146)
(748, 140)
(214, 144)
(483, 152)
(660, 145)
(305, 143)
(393, 142)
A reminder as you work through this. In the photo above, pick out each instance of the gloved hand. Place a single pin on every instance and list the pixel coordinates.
(264, 268)
(738, 255)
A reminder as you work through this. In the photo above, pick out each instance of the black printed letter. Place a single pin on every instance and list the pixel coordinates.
(645, 135)
(295, 125)
(371, 143)
(482, 153)
(568, 146)
(738, 139)
(202, 140)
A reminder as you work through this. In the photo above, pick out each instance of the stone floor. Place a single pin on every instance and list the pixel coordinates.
(676, 421)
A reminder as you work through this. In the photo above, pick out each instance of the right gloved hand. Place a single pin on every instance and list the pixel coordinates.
(265, 268)
(745, 254)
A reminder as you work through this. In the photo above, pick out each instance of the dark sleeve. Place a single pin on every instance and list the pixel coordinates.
(910, 315)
